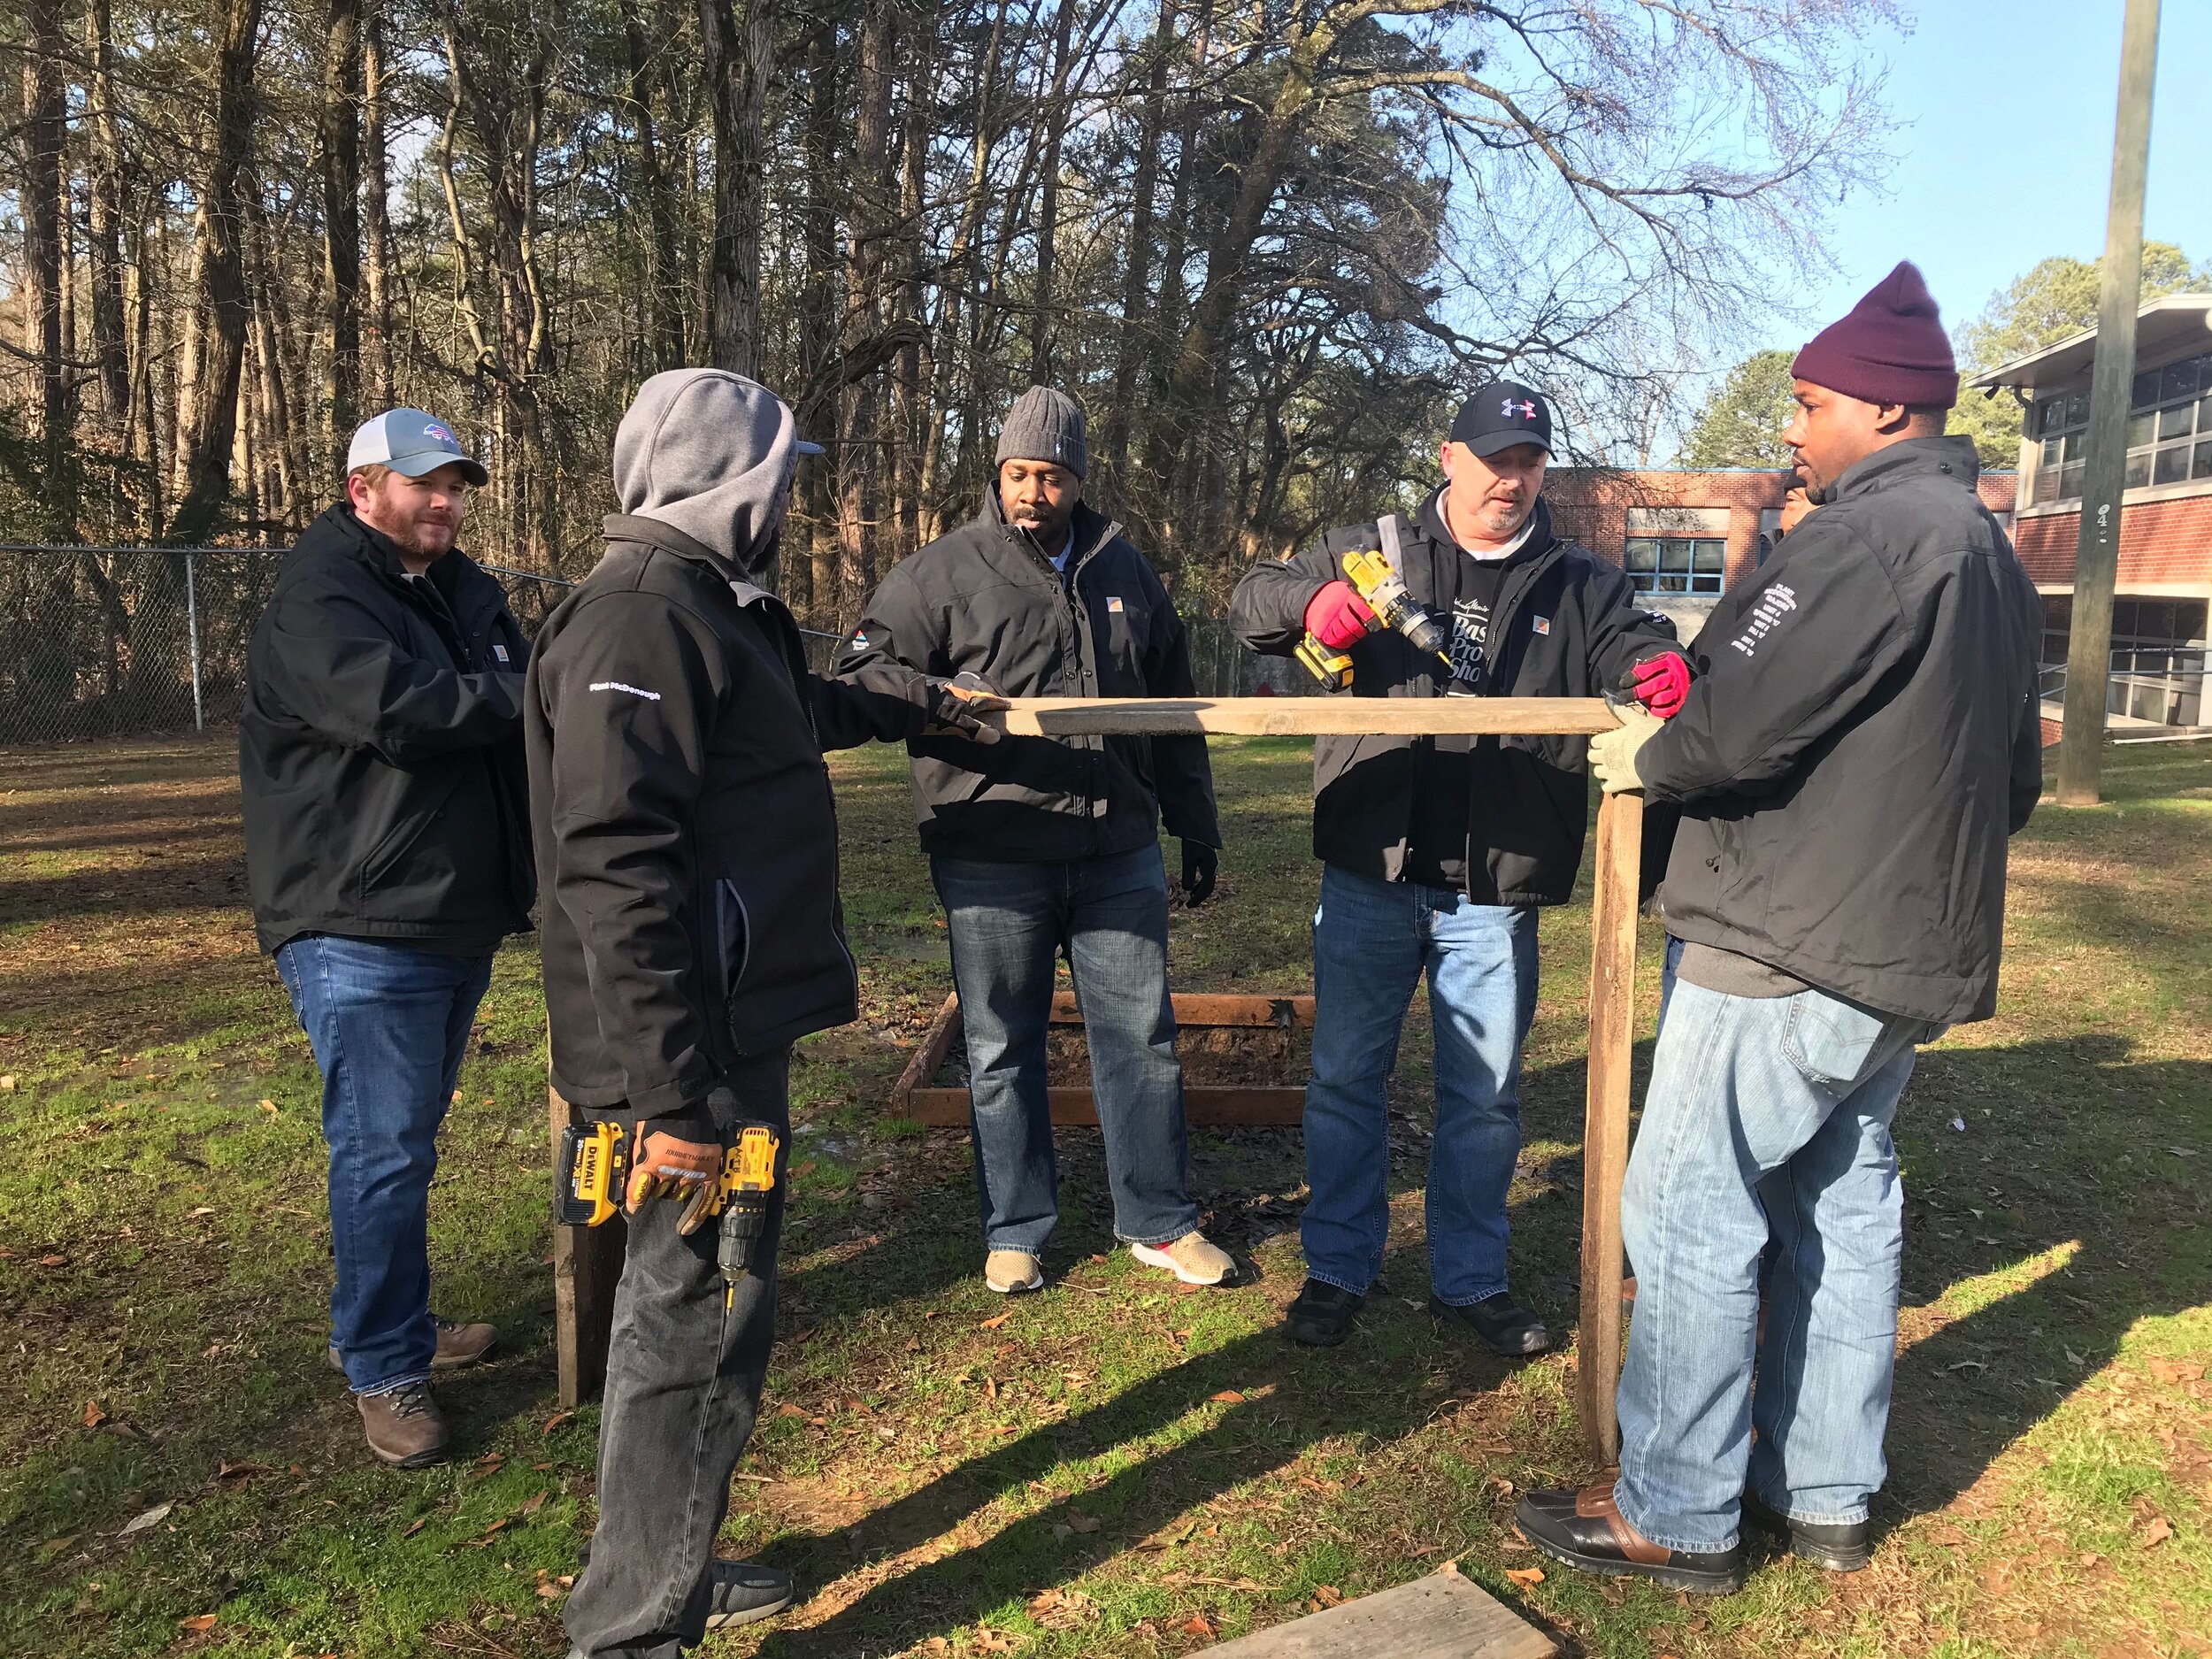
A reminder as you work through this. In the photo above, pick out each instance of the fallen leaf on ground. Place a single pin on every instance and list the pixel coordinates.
(53, 1261)
(268, 1106)
(556, 1420)
(2157, 1533)
(1079, 1522)
(531, 1506)
(417, 1527)
(154, 1516)
(1327, 1595)
(92, 1416)
(239, 1471)
(1197, 1624)
(993, 1324)
(1525, 1575)
(2167, 1370)
(787, 1409)
(199, 1622)
(1228, 1397)
(7, 1084)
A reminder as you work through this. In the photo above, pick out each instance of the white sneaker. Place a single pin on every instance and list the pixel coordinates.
(1192, 1258)
(1006, 1272)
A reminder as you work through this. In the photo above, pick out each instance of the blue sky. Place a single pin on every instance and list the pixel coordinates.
(2005, 111)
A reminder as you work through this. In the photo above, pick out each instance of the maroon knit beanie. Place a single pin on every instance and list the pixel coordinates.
(1891, 348)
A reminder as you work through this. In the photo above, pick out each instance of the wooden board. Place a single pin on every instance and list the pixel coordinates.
(1445, 1615)
(1304, 717)
(1209, 1007)
(587, 1266)
(1072, 1108)
(1605, 1117)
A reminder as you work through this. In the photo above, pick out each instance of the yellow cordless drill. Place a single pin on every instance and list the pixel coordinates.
(1384, 590)
(593, 1168)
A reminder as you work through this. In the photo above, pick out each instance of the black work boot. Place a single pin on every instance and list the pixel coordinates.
(1322, 1315)
(1499, 1324)
(1585, 1530)
(1838, 1546)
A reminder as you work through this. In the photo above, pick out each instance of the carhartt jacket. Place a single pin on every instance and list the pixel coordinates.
(1862, 737)
(1566, 625)
(379, 752)
(984, 599)
(687, 839)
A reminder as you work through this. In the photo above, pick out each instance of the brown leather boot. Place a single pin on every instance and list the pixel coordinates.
(458, 1345)
(404, 1427)
(1585, 1530)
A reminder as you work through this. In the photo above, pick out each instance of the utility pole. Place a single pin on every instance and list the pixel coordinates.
(2097, 554)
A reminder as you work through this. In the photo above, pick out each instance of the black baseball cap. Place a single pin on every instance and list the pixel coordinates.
(1500, 415)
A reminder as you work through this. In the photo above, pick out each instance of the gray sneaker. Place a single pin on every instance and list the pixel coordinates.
(745, 1592)
(404, 1427)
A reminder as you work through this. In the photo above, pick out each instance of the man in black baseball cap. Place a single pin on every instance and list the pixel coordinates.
(1438, 851)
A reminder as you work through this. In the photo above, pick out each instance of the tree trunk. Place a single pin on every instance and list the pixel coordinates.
(376, 214)
(664, 276)
(109, 346)
(219, 288)
(341, 117)
(45, 137)
(860, 438)
(737, 47)
(817, 319)
(1054, 113)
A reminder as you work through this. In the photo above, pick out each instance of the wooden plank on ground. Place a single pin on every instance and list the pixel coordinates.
(1605, 1117)
(1304, 717)
(1200, 1009)
(1072, 1108)
(1445, 1615)
(587, 1266)
(936, 1043)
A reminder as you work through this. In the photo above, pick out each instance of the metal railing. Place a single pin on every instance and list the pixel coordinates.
(2162, 685)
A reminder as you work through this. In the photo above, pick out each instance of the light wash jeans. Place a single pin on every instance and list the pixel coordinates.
(1767, 1117)
(388, 1023)
(1009, 923)
(1372, 943)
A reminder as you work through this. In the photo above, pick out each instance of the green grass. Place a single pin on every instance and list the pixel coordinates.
(1112, 1468)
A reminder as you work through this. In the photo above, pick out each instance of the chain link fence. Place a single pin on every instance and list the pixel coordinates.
(99, 642)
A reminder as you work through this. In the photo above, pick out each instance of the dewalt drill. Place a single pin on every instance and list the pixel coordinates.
(1377, 582)
(593, 1168)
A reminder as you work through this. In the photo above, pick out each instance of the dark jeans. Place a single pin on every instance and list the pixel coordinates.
(684, 1374)
(390, 1023)
(1009, 923)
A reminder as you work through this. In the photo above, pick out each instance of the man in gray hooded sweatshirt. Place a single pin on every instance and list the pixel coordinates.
(686, 847)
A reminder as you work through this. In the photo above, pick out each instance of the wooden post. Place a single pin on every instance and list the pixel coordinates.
(587, 1266)
(1605, 1116)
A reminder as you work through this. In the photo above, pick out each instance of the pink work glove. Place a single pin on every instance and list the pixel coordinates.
(1661, 684)
(1338, 617)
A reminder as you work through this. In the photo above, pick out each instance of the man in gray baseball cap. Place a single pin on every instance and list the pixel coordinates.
(387, 847)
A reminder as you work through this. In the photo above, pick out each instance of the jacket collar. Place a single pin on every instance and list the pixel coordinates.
(626, 527)
(1088, 530)
(454, 575)
(1950, 456)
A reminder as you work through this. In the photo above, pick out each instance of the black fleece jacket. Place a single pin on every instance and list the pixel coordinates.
(1863, 736)
(1567, 624)
(379, 752)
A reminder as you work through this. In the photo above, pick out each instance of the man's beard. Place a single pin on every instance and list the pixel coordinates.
(411, 539)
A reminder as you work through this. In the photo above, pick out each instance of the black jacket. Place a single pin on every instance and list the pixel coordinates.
(379, 752)
(1566, 625)
(984, 599)
(1865, 734)
(687, 839)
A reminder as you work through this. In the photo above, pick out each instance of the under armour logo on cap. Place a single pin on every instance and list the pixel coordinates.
(1500, 416)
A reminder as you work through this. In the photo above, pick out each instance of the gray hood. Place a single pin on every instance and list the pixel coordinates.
(710, 454)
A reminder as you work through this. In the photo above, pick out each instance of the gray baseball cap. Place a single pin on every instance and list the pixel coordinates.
(411, 443)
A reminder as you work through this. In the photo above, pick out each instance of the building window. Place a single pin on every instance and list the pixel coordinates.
(1676, 565)
(2169, 432)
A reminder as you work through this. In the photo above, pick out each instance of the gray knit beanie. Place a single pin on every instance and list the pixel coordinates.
(1044, 426)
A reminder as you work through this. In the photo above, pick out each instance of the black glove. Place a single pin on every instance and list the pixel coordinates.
(955, 705)
(1201, 864)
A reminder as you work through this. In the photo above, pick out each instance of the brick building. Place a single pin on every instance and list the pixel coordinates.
(2164, 586)
(1687, 537)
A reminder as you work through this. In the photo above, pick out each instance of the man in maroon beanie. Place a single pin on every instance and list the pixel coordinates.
(1862, 737)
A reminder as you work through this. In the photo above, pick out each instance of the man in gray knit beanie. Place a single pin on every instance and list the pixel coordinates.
(1040, 844)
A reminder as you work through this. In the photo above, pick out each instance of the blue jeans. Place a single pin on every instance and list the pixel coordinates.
(1767, 1118)
(390, 1023)
(1009, 924)
(1371, 942)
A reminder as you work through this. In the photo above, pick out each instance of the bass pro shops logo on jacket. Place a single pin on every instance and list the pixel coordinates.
(1774, 604)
